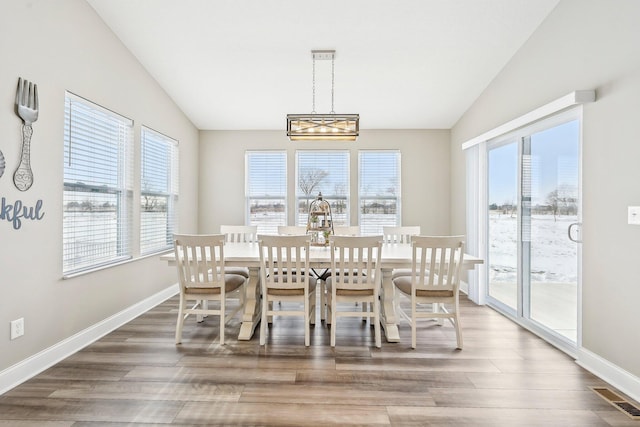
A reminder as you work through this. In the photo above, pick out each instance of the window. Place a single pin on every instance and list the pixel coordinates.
(158, 191)
(97, 186)
(379, 193)
(266, 189)
(326, 172)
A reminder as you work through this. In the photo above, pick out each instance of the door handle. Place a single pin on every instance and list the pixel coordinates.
(570, 228)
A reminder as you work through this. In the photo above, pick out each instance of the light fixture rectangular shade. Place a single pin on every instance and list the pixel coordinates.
(323, 127)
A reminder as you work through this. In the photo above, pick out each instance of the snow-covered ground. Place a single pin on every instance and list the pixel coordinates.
(554, 271)
(553, 255)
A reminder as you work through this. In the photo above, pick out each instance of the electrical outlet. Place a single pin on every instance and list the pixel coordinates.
(17, 328)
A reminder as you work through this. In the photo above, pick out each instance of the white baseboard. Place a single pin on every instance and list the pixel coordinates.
(624, 381)
(33, 365)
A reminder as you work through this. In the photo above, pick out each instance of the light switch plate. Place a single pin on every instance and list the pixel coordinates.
(634, 215)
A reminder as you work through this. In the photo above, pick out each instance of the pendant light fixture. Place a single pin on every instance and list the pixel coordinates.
(323, 127)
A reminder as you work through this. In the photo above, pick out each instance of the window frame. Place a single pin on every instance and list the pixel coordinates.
(96, 140)
(366, 226)
(337, 217)
(268, 173)
(165, 169)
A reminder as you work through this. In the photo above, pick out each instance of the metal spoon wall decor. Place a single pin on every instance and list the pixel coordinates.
(27, 109)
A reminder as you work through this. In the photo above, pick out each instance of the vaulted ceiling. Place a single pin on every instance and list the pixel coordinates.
(245, 64)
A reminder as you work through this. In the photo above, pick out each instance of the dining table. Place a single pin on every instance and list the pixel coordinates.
(394, 256)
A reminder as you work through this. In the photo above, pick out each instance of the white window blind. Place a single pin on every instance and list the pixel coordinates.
(379, 192)
(97, 186)
(158, 191)
(266, 189)
(326, 172)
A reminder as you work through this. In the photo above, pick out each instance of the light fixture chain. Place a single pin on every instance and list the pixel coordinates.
(313, 102)
(332, 80)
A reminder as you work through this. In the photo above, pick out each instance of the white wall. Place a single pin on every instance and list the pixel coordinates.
(584, 45)
(425, 173)
(63, 45)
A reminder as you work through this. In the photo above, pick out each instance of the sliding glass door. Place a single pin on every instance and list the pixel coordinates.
(533, 226)
(502, 227)
(551, 180)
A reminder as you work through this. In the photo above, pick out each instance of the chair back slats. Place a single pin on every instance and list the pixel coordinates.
(292, 230)
(355, 261)
(200, 259)
(350, 230)
(239, 233)
(285, 261)
(437, 262)
(400, 234)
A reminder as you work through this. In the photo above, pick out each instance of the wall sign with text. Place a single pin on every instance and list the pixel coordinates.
(17, 212)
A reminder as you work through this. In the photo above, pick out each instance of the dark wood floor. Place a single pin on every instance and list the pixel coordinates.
(505, 376)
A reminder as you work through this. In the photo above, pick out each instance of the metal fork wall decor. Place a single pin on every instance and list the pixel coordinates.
(27, 109)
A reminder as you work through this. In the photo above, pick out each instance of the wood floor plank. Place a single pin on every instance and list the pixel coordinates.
(67, 371)
(123, 358)
(535, 381)
(417, 365)
(408, 381)
(287, 362)
(518, 398)
(152, 391)
(438, 352)
(214, 376)
(493, 417)
(560, 366)
(294, 415)
(22, 423)
(131, 411)
(335, 394)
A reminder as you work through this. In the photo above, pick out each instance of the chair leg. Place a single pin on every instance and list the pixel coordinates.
(436, 309)
(263, 321)
(457, 325)
(312, 308)
(180, 321)
(376, 322)
(333, 325)
(307, 320)
(323, 300)
(200, 303)
(414, 322)
(222, 317)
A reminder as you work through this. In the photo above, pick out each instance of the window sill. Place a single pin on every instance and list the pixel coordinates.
(115, 264)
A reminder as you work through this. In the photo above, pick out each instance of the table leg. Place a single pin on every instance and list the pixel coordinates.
(252, 308)
(388, 315)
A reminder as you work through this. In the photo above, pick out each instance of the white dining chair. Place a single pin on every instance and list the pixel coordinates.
(285, 277)
(355, 278)
(434, 283)
(203, 278)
